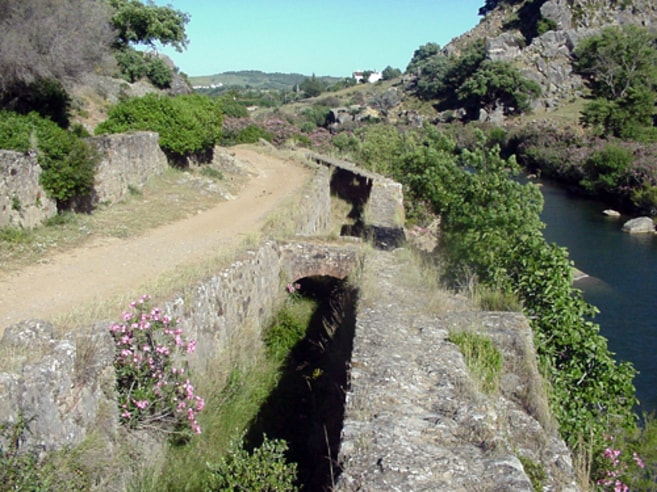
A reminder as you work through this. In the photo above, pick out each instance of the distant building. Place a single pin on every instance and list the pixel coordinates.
(374, 76)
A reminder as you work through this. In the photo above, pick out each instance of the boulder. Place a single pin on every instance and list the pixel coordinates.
(640, 225)
(611, 213)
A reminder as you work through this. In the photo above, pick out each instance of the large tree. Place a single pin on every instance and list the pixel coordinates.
(621, 67)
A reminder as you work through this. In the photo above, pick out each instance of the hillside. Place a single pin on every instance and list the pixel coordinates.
(255, 79)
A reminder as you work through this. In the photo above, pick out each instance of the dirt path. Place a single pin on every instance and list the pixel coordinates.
(106, 268)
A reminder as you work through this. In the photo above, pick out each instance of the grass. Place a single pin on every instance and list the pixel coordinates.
(483, 359)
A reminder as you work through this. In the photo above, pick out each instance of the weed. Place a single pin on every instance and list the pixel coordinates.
(15, 235)
(483, 359)
(212, 173)
(534, 471)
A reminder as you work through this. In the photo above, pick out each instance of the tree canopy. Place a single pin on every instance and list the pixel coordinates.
(136, 22)
(621, 67)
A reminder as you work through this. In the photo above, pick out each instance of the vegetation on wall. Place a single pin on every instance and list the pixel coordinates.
(68, 162)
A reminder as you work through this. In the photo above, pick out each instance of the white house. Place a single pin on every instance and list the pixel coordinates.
(373, 77)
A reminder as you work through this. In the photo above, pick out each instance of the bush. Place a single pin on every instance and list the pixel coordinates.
(68, 163)
(607, 171)
(188, 125)
(151, 378)
(264, 469)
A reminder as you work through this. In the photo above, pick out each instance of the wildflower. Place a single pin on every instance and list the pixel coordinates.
(141, 404)
(638, 460)
(191, 346)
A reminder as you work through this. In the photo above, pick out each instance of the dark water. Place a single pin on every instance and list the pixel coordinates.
(623, 283)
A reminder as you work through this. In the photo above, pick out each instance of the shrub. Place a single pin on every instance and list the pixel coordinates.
(153, 382)
(159, 73)
(68, 163)
(264, 469)
(188, 125)
(607, 171)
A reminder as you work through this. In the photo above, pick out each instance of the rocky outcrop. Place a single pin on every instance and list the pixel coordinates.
(547, 59)
(23, 201)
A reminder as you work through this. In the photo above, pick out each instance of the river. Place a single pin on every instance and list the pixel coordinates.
(622, 282)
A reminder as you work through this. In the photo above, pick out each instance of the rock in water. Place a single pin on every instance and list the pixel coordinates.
(640, 225)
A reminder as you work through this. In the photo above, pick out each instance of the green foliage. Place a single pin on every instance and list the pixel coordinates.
(390, 73)
(232, 107)
(252, 134)
(135, 65)
(421, 56)
(621, 66)
(535, 472)
(19, 470)
(491, 228)
(159, 73)
(316, 115)
(188, 125)
(47, 97)
(264, 469)
(607, 170)
(483, 359)
(286, 331)
(135, 22)
(68, 163)
(496, 84)
(545, 25)
(312, 87)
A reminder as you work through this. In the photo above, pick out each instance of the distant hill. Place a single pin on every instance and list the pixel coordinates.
(255, 79)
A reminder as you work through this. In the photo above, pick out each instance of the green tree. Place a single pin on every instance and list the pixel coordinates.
(496, 84)
(621, 67)
(136, 22)
(312, 86)
(390, 73)
(421, 55)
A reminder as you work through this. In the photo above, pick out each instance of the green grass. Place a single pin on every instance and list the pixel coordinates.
(483, 359)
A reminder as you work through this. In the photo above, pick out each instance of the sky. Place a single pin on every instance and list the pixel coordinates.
(318, 37)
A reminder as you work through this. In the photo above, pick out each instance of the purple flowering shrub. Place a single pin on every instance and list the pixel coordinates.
(153, 380)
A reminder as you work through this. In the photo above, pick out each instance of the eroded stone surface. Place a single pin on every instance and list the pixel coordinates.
(414, 418)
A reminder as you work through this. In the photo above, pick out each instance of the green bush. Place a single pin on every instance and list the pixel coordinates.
(608, 170)
(159, 73)
(135, 65)
(68, 163)
(188, 125)
(264, 469)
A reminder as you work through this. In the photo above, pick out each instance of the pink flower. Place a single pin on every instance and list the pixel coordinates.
(191, 346)
(141, 404)
(638, 460)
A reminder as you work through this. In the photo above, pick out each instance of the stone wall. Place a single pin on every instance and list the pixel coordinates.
(128, 160)
(23, 202)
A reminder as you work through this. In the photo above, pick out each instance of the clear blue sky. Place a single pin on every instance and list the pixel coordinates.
(315, 36)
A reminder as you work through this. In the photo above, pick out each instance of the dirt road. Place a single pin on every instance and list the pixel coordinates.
(108, 268)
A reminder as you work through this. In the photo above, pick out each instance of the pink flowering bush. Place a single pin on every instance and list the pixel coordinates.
(617, 466)
(153, 380)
